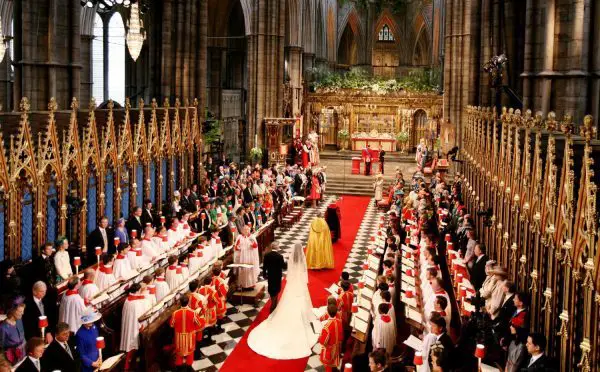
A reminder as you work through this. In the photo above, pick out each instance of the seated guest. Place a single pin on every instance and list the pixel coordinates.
(86, 342)
(122, 266)
(121, 231)
(101, 237)
(384, 330)
(162, 288)
(62, 261)
(35, 306)
(88, 289)
(378, 361)
(59, 355)
(35, 351)
(438, 335)
(516, 351)
(12, 334)
(105, 276)
(330, 339)
(135, 221)
(478, 270)
(537, 361)
(72, 306)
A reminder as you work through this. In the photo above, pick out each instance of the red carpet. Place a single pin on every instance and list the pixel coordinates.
(242, 358)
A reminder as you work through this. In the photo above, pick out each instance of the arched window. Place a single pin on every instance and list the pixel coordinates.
(98, 60)
(385, 34)
(108, 55)
(116, 59)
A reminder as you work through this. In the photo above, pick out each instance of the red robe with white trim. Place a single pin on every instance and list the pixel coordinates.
(331, 339)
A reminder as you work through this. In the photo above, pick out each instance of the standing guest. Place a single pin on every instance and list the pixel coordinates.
(489, 283)
(273, 266)
(478, 268)
(147, 216)
(507, 309)
(516, 352)
(101, 237)
(72, 306)
(377, 361)
(438, 335)
(135, 221)
(59, 355)
(381, 159)
(121, 231)
(186, 324)
(384, 330)
(330, 339)
(35, 306)
(62, 262)
(497, 297)
(470, 250)
(520, 318)
(105, 277)
(9, 282)
(35, 350)
(88, 289)
(537, 361)
(43, 266)
(86, 342)
(246, 252)
(12, 334)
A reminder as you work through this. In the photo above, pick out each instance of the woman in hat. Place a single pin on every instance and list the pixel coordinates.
(86, 341)
(12, 335)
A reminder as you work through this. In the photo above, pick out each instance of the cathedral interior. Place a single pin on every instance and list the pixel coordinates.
(108, 107)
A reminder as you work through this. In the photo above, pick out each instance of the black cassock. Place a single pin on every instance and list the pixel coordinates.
(333, 217)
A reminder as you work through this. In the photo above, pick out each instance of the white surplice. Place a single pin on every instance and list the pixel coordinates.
(88, 290)
(246, 252)
(122, 268)
(72, 306)
(134, 307)
(149, 248)
(173, 280)
(287, 333)
(384, 333)
(162, 288)
(105, 277)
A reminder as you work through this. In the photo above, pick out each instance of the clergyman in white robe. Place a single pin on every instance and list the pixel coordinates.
(246, 252)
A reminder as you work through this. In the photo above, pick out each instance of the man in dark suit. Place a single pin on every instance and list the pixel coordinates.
(247, 193)
(101, 237)
(250, 217)
(36, 305)
(204, 221)
(43, 267)
(506, 311)
(147, 215)
(478, 269)
(538, 361)
(439, 330)
(135, 221)
(35, 350)
(60, 355)
(378, 361)
(273, 266)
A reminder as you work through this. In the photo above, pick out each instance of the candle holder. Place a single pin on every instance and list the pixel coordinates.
(42, 324)
(100, 344)
(77, 263)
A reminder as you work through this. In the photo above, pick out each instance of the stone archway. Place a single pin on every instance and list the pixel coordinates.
(348, 47)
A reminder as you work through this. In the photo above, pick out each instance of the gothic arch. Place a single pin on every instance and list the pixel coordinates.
(351, 27)
(421, 55)
(308, 26)
(320, 34)
(387, 19)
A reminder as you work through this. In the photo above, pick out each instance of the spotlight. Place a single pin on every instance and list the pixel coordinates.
(89, 4)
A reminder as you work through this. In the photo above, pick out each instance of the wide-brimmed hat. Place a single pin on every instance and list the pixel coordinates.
(379, 175)
(90, 316)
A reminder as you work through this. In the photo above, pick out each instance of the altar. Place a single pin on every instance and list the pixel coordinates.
(357, 118)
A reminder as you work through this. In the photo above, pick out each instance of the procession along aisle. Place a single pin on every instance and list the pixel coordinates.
(243, 358)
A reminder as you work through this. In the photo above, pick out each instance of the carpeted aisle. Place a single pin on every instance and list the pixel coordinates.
(242, 358)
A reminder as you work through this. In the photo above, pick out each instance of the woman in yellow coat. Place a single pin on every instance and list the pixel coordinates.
(319, 252)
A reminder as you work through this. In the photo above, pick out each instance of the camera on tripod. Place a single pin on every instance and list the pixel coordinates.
(486, 214)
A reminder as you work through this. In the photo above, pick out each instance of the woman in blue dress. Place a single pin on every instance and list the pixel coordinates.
(12, 335)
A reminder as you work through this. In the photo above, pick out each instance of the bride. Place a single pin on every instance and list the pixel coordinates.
(287, 333)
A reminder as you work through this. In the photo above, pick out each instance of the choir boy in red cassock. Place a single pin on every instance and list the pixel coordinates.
(344, 304)
(331, 340)
(212, 300)
(330, 301)
(186, 324)
(220, 285)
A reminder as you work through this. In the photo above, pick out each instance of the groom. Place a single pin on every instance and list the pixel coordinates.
(273, 266)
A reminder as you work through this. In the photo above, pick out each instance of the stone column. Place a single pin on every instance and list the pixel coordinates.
(86, 81)
(295, 69)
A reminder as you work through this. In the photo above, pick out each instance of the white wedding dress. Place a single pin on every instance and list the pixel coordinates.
(287, 333)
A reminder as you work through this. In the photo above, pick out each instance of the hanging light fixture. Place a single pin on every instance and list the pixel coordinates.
(135, 36)
(2, 46)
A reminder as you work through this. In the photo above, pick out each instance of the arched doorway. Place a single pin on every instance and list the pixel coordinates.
(348, 48)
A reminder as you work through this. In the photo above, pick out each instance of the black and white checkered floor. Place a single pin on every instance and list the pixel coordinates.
(237, 323)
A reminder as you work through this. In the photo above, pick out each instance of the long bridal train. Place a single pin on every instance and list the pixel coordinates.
(287, 333)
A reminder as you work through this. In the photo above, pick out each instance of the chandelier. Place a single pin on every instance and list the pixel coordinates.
(135, 35)
(2, 46)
